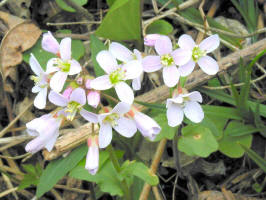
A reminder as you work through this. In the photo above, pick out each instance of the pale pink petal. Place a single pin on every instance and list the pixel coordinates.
(181, 56)
(209, 44)
(88, 84)
(137, 53)
(75, 67)
(57, 99)
(93, 98)
(67, 92)
(49, 43)
(120, 52)
(40, 99)
(107, 61)
(101, 83)
(89, 116)
(150, 39)
(35, 66)
(78, 95)
(187, 69)
(124, 92)
(186, 42)
(51, 142)
(179, 99)
(65, 49)
(105, 135)
(193, 111)
(35, 145)
(121, 108)
(208, 65)
(136, 83)
(195, 96)
(133, 69)
(170, 76)
(92, 160)
(58, 80)
(163, 45)
(151, 63)
(125, 127)
(174, 115)
(36, 89)
(51, 65)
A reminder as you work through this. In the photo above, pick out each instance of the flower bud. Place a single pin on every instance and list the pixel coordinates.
(79, 81)
(92, 159)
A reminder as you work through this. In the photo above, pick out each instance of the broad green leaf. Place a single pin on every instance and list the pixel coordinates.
(197, 140)
(122, 22)
(59, 168)
(106, 178)
(255, 157)
(156, 106)
(31, 177)
(161, 27)
(221, 111)
(210, 124)
(65, 7)
(239, 129)
(110, 2)
(139, 170)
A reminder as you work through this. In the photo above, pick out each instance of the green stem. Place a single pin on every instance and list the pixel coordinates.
(117, 167)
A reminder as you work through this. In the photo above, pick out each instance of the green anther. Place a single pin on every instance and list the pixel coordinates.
(167, 60)
(65, 67)
(197, 53)
(117, 76)
(111, 119)
(72, 108)
(36, 79)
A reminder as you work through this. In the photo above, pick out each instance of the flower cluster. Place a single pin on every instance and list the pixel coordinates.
(120, 65)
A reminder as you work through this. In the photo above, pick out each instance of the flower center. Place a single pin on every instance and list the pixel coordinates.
(40, 81)
(111, 119)
(167, 60)
(117, 76)
(72, 108)
(197, 53)
(64, 66)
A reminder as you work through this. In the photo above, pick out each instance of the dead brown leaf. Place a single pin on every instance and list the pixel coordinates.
(216, 195)
(10, 20)
(17, 40)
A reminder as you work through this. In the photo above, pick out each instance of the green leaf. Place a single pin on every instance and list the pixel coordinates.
(31, 177)
(160, 27)
(106, 178)
(255, 157)
(229, 145)
(239, 129)
(221, 111)
(139, 170)
(59, 168)
(65, 7)
(110, 2)
(197, 140)
(122, 22)
(155, 106)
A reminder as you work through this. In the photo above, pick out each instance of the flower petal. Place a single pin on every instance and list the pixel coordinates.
(65, 49)
(125, 127)
(193, 111)
(124, 92)
(40, 99)
(75, 67)
(89, 116)
(136, 83)
(186, 42)
(174, 115)
(151, 63)
(51, 142)
(58, 80)
(170, 76)
(208, 65)
(105, 135)
(150, 39)
(137, 53)
(35, 65)
(187, 69)
(120, 52)
(93, 98)
(51, 65)
(49, 43)
(57, 99)
(78, 95)
(209, 44)
(92, 160)
(133, 69)
(107, 61)
(163, 45)
(101, 83)
(181, 56)
(195, 96)
(121, 108)
(36, 89)
(35, 145)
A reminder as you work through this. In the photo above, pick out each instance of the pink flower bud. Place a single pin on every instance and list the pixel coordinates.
(68, 92)
(150, 39)
(92, 159)
(93, 98)
(79, 81)
(88, 84)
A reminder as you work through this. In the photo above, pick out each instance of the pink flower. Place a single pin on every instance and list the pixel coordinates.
(46, 130)
(150, 39)
(92, 159)
(62, 66)
(146, 125)
(93, 98)
(115, 119)
(41, 83)
(184, 103)
(123, 54)
(198, 54)
(167, 59)
(116, 76)
(72, 105)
